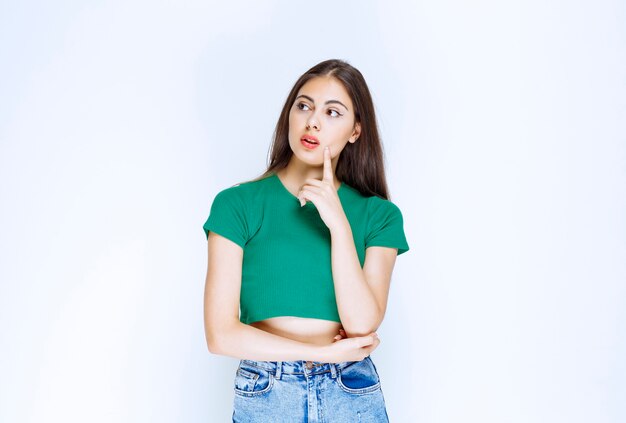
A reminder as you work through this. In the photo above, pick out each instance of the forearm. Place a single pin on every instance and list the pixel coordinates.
(358, 310)
(247, 342)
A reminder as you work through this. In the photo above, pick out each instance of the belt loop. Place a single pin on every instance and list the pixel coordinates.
(333, 370)
(279, 369)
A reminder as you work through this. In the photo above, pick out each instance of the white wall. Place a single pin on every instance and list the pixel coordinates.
(504, 130)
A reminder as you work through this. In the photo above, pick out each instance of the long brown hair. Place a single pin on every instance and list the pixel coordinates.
(360, 164)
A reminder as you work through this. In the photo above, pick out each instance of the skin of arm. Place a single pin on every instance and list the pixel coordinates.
(361, 293)
(226, 335)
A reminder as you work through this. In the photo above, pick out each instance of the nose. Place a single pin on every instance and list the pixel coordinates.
(312, 123)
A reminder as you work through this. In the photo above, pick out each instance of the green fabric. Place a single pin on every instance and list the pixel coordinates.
(286, 268)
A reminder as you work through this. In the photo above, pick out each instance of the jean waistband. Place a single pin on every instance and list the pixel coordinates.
(299, 366)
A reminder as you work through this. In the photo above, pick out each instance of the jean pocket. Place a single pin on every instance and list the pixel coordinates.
(359, 377)
(252, 381)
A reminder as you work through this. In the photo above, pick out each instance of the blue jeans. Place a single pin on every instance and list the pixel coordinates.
(308, 391)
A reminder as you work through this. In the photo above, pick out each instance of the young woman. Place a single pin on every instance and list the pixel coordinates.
(300, 261)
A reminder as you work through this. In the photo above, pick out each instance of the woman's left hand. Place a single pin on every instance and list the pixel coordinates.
(324, 195)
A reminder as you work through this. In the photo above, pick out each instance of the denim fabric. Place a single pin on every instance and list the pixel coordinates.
(308, 391)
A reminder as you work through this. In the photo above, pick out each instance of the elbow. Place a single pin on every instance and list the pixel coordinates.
(359, 330)
(363, 327)
(217, 337)
(212, 344)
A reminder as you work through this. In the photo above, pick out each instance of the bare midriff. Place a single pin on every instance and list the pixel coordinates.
(311, 331)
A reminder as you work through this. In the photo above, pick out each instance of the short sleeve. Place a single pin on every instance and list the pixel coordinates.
(227, 217)
(385, 226)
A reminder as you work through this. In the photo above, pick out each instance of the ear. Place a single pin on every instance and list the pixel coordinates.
(356, 133)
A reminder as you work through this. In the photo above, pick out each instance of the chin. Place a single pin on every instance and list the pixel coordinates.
(303, 154)
(310, 160)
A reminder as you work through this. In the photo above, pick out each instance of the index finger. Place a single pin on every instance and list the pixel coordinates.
(328, 167)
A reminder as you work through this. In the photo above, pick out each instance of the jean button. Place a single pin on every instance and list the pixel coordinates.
(309, 365)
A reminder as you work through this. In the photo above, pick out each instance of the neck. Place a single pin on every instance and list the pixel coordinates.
(293, 176)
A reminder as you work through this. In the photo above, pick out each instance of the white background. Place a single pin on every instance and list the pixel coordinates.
(504, 130)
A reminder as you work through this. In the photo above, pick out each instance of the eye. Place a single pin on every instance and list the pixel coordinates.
(302, 105)
(336, 113)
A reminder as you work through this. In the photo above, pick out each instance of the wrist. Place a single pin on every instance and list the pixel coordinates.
(318, 353)
(342, 228)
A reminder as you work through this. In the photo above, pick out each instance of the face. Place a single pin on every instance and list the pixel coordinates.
(324, 113)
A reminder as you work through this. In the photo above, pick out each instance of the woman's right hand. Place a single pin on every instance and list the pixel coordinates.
(351, 349)
(341, 334)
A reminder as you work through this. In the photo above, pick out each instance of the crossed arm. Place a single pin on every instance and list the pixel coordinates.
(361, 299)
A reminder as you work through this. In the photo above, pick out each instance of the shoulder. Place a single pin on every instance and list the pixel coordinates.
(372, 208)
(381, 205)
(373, 202)
(385, 225)
(244, 191)
(234, 211)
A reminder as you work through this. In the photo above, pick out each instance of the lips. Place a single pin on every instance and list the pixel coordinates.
(310, 138)
(309, 142)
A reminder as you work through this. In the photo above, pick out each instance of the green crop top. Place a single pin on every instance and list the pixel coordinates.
(286, 268)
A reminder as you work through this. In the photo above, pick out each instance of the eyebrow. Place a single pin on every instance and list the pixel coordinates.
(328, 102)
